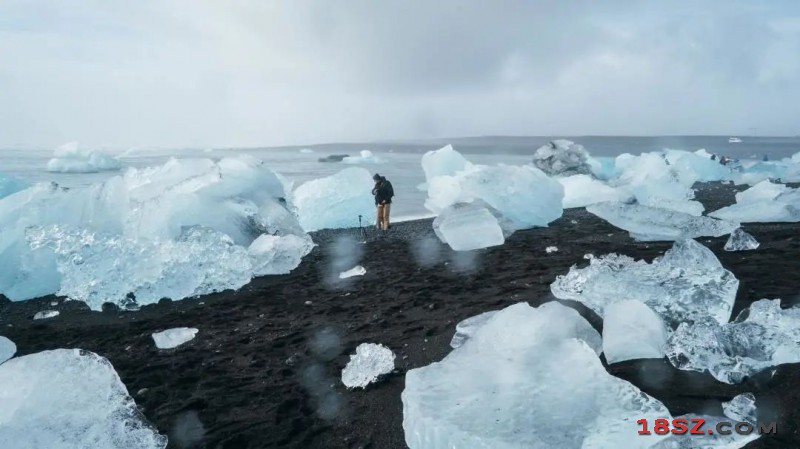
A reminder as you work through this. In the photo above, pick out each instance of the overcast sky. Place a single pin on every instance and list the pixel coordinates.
(203, 73)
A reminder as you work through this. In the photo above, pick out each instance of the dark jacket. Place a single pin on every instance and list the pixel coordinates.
(383, 192)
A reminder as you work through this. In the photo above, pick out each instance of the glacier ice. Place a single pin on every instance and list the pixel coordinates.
(583, 190)
(646, 223)
(364, 157)
(705, 441)
(69, 158)
(523, 195)
(562, 158)
(152, 232)
(765, 202)
(466, 328)
(7, 349)
(67, 399)
(631, 330)
(687, 283)
(172, 338)
(741, 408)
(370, 361)
(466, 227)
(445, 161)
(46, 314)
(10, 184)
(336, 201)
(358, 270)
(527, 378)
(763, 337)
(741, 241)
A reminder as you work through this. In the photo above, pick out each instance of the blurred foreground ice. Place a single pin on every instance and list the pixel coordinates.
(67, 399)
(687, 283)
(185, 228)
(526, 378)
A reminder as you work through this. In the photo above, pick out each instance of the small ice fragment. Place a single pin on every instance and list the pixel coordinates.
(46, 314)
(308, 303)
(551, 249)
(741, 241)
(742, 408)
(465, 329)
(358, 270)
(631, 331)
(7, 349)
(368, 363)
(172, 338)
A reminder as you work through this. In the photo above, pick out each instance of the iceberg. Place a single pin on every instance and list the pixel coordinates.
(66, 399)
(765, 202)
(583, 190)
(172, 338)
(631, 331)
(368, 363)
(686, 284)
(741, 241)
(445, 161)
(646, 223)
(185, 228)
(364, 157)
(562, 158)
(7, 349)
(466, 329)
(466, 227)
(527, 378)
(761, 337)
(336, 201)
(10, 184)
(69, 158)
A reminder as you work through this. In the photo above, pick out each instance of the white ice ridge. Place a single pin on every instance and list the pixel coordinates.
(527, 378)
(687, 283)
(764, 202)
(336, 201)
(646, 223)
(523, 195)
(186, 228)
(466, 227)
(741, 241)
(69, 158)
(358, 270)
(68, 399)
(631, 331)
(172, 338)
(370, 361)
(7, 349)
(761, 337)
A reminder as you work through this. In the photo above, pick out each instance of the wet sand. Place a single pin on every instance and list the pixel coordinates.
(264, 370)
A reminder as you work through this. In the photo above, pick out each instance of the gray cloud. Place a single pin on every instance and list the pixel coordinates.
(204, 73)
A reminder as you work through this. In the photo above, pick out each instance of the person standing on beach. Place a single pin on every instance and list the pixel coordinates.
(383, 193)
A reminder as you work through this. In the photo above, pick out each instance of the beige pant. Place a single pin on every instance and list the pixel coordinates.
(383, 216)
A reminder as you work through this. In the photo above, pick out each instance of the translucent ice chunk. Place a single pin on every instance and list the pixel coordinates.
(46, 314)
(582, 190)
(443, 162)
(741, 241)
(70, 159)
(528, 378)
(646, 223)
(10, 184)
(368, 363)
(686, 284)
(172, 338)
(358, 270)
(336, 201)
(765, 202)
(741, 408)
(763, 337)
(466, 328)
(67, 399)
(7, 349)
(562, 158)
(631, 330)
(272, 254)
(466, 227)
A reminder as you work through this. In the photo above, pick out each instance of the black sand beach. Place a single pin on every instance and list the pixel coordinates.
(264, 369)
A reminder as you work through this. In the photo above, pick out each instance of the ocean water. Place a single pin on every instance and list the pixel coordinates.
(401, 158)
